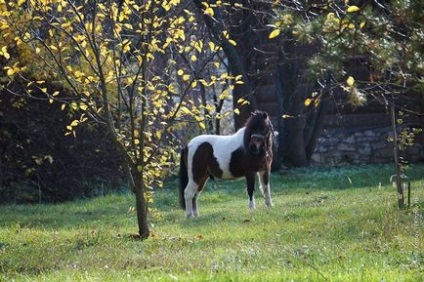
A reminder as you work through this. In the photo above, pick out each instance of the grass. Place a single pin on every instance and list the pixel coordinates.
(328, 224)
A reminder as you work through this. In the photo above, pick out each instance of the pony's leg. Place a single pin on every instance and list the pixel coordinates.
(250, 181)
(189, 196)
(264, 182)
(261, 188)
(195, 211)
(199, 190)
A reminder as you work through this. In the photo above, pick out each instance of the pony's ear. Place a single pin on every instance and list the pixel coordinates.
(265, 115)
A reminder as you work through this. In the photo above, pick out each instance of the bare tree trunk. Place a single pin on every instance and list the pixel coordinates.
(296, 153)
(136, 183)
(141, 206)
(315, 124)
(398, 179)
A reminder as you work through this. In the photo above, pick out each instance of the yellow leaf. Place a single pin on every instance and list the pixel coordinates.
(5, 53)
(10, 72)
(350, 81)
(362, 24)
(274, 33)
(185, 110)
(63, 107)
(352, 9)
(232, 42)
(83, 106)
(308, 101)
(74, 123)
(316, 102)
(209, 11)
(240, 100)
(212, 46)
(237, 111)
(202, 125)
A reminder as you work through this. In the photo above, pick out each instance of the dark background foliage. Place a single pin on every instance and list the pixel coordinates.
(38, 163)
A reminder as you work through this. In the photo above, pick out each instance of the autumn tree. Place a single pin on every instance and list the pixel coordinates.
(119, 60)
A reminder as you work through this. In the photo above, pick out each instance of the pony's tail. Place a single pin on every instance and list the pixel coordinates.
(183, 176)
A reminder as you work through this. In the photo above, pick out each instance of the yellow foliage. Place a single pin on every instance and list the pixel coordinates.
(307, 102)
(274, 33)
(352, 9)
(4, 53)
(350, 81)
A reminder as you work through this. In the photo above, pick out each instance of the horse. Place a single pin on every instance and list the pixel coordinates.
(243, 154)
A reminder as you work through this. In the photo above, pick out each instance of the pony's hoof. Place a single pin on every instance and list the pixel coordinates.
(252, 206)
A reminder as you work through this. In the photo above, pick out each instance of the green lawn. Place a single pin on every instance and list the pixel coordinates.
(328, 224)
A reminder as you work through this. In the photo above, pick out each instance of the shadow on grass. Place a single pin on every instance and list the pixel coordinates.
(103, 211)
(206, 218)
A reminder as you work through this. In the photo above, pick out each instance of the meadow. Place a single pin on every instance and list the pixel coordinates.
(327, 224)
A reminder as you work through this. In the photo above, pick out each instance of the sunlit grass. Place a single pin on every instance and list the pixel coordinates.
(333, 224)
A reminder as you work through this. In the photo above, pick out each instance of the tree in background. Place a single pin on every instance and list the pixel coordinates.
(119, 61)
(384, 38)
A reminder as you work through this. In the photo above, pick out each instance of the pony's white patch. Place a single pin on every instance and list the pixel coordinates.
(222, 146)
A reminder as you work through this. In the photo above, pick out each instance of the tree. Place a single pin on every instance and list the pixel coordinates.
(119, 59)
(384, 37)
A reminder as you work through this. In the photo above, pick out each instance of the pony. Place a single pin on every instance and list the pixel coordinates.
(246, 153)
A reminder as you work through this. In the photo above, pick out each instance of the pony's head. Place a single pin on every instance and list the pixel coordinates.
(257, 136)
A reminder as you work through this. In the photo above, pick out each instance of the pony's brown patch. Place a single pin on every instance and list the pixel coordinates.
(205, 161)
(236, 166)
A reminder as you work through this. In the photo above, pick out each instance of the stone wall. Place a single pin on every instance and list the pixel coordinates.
(342, 143)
